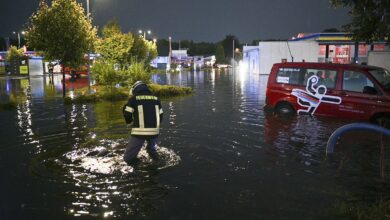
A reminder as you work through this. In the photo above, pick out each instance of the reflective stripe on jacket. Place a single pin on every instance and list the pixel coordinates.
(146, 113)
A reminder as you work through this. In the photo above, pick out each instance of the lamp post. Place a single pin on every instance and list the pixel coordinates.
(141, 32)
(88, 57)
(18, 33)
(88, 9)
(170, 51)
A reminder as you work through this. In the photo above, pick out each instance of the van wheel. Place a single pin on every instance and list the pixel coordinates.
(284, 108)
(383, 121)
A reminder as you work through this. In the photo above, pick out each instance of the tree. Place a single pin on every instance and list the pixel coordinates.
(370, 19)
(14, 54)
(115, 46)
(62, 32)
(111, 28)
(220, 54)
(202, 48)
(163, 47)
(152, 51)
(144, 50)
(227, 44)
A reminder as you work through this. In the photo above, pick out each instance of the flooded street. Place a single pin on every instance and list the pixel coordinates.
(223, 157)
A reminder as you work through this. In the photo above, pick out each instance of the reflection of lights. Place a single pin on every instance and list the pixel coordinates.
(213, 99)
(8, 86)
(172, 115)
(212, 76)
(242, 67)
(108, 214)
(24, 116)
(242, 74)
(71, 94)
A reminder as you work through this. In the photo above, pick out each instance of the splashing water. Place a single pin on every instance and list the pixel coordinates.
(105, 186)
(107, 158)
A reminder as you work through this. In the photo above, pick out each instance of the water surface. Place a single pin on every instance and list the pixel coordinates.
(223, 157)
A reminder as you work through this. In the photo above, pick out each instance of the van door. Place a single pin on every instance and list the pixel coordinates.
(355, 103)
(318, 96)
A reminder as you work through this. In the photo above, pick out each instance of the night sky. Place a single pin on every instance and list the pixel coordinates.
(201, 20)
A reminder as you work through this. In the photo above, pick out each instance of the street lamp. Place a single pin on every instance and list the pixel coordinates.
(141, 32)
(18, 33)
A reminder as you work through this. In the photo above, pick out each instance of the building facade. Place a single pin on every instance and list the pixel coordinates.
(317, 47)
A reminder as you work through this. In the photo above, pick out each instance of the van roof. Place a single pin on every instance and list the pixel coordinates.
(325, 65)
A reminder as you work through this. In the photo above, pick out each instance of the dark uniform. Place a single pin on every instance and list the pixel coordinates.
(145, 112)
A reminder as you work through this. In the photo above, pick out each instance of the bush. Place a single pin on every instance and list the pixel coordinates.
(164, 91)
(105, 74)
(14, 54)
(136, 72)
(122, 93)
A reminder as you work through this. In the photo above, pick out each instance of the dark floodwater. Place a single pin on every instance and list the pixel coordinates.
(223, 157)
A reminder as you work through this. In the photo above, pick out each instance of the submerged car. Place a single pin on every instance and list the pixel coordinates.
(351, 91)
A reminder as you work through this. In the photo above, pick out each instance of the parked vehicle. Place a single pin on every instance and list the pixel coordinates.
(222, 66)
(339, 90)
(77, 72)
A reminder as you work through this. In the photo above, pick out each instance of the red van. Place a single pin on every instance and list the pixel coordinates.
(340, 90)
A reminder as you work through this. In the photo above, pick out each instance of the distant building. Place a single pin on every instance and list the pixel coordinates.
(160, 62)
(318, 47)
(209, 61)
(251, 58)
(181, 57)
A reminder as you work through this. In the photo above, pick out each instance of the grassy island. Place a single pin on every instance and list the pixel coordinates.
(122, 93)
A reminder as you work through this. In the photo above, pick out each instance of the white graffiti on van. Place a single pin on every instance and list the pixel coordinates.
(313, 96)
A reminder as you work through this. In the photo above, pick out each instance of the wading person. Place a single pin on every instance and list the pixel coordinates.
(144, 112)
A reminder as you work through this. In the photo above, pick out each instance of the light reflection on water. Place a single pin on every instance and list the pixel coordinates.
(223, 157)
(107, 182)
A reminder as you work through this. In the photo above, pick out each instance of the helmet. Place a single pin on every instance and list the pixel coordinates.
(136, 86)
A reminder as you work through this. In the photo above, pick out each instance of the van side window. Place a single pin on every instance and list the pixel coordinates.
(292, 76)
(355, 81)
(326, 77)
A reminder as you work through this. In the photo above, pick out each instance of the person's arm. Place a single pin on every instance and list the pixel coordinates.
(128, 111)
(161, 111)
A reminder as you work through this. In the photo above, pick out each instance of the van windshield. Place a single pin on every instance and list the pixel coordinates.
(383, 77)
